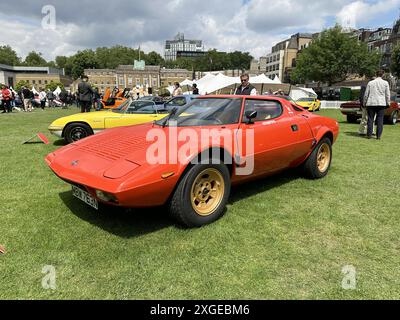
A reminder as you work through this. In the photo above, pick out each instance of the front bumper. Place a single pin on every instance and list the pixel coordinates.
(57, 131)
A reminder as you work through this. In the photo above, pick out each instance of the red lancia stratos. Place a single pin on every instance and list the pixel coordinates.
(189, 160)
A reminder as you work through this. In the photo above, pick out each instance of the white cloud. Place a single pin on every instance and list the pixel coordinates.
(252, 26)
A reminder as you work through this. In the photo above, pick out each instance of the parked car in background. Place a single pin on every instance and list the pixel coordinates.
(179, 101)
(310, 104)
(117, 167)
(81, 125)
(353, 113)
(155, 99)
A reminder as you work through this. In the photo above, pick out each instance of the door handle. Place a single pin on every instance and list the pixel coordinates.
(295, 128)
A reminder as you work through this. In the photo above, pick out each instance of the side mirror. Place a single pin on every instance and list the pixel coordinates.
(250, 115)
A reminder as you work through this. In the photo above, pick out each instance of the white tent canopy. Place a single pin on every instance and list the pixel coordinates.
(186, 82)
(57, 91)
(211, 83)
(35, 92)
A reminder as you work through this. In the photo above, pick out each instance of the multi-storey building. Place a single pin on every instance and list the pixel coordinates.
(37, 77)
(282, 59)
(184, 47)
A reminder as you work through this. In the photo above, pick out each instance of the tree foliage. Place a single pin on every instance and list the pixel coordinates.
(395, 65)
(22, 83)
(111, 58)
(35, 59)
(333, 57)
(53, 86)
(8, 56)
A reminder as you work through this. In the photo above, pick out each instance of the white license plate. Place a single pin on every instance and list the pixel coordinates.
(85, 197)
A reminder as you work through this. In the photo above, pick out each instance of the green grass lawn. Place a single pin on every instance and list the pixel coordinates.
(282, 238)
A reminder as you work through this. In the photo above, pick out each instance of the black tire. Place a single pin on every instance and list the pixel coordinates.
(394, 117)
(77, 131)
(181, 205)
(311, 167)
(351, 118)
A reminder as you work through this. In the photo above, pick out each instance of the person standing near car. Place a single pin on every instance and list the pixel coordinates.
(195, 89)
(245, 88)
(178, 90)
(377, 99)
(85, 94)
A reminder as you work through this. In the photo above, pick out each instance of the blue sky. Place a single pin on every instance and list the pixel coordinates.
(246, 25)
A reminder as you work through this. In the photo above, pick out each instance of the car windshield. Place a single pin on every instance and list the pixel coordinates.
(136, 107)
(207, 112)
(306, 100)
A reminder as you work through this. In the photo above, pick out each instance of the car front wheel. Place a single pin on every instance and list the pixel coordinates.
(319, 162)
(77, 131)
(201, 195)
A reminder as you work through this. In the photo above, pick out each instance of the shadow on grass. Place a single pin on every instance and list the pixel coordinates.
(60, 143)
(124, 223)
(128, 223)
(261, 185)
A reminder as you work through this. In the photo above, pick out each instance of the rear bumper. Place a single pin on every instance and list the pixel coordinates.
(351, 111)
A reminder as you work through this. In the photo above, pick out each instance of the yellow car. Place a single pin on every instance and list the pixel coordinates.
(81, 125)
(310, 104)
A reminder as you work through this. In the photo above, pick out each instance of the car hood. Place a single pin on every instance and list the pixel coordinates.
(97, 116)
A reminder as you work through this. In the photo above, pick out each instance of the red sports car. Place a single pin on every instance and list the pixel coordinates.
(190, 159)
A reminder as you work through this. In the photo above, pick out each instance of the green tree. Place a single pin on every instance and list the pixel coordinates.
(154, 59)
(61, 61)
(9, 56)
(53, 86)
(35, 59)
(82, 60)
(395, 65)
(22, 83)
(333, 57)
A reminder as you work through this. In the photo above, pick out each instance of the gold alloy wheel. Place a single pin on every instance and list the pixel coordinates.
(323, 157)
(207, 192)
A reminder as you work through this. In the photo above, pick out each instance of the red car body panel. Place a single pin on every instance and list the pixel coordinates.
(114, 161)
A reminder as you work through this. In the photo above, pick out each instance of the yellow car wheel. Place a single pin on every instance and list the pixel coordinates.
(77, 131)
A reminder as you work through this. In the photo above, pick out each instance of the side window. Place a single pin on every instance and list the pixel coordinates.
(180, 101)
(141, 107)
(266, 110)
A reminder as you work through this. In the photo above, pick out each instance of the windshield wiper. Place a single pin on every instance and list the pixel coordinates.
(171, 114)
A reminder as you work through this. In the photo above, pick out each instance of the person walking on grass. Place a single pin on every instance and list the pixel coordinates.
(27, 99)
(377, 99)
(42, 98)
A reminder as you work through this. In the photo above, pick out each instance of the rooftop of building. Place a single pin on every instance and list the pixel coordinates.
(23, 69)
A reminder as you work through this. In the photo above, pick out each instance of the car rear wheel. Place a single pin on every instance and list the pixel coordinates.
(351, 118)
(394, 117)
(77, 131)
(319, 162)
(201, 195)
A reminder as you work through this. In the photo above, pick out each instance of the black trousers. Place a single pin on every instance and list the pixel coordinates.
(85, 106)
(379, 112)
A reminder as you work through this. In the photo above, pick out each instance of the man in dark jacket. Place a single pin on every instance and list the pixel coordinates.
(85, 94)
(246, 88)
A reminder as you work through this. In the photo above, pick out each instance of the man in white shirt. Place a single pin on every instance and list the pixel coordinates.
(245, 88)
(377, 99)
